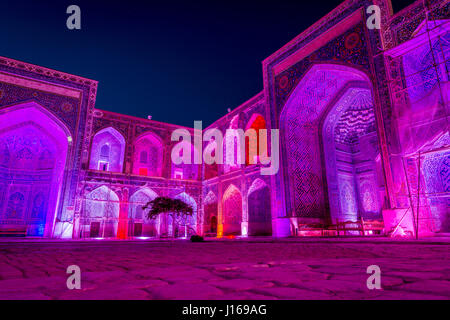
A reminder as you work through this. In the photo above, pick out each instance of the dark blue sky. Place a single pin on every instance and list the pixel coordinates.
(179, 61)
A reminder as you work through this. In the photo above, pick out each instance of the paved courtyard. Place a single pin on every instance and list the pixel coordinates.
(257, 269)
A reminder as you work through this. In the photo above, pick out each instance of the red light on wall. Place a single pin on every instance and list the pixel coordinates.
(143, 171)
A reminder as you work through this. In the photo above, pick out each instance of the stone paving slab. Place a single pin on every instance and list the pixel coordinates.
(235, 270)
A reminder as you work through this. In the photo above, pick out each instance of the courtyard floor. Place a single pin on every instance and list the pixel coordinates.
(261, 268)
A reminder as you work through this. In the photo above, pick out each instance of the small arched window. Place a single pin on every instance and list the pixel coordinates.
(104, 151)
(103, 162)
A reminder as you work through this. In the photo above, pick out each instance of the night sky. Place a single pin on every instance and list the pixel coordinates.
(179, 61)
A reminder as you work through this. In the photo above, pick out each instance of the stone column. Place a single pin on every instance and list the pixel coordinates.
(219, 211)
(122, 230)
(244, 222)
(200, 217)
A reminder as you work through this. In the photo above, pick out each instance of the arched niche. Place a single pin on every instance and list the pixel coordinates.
(350, 146)
(259, 209)
(210, 213)
(107, 150)
(101, 213)
(232, 211)
(148, 155)
(186, 198)
(306, 194)
(232, 146)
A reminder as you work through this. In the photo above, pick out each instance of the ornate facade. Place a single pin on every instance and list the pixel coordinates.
(363, 121)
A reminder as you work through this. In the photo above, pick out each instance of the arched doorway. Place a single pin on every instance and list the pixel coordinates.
(259, 213)
(139, 225)
(188, 226)
(213, 225)
(101, 214)
(33, 150)
(306, 167)
(350, 146)
(210, 214)
(176, 227)
(232, 211)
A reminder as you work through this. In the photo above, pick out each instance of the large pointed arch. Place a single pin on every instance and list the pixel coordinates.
(35, 142)
(138, 200)
(191, 223)
(259, 208)
(232, 211)
(306, 192)
(210, 206)
(350, 147)
(101, 213)
(210, 198)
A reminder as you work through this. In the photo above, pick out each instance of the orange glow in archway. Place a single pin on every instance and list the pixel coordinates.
(257, 122)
